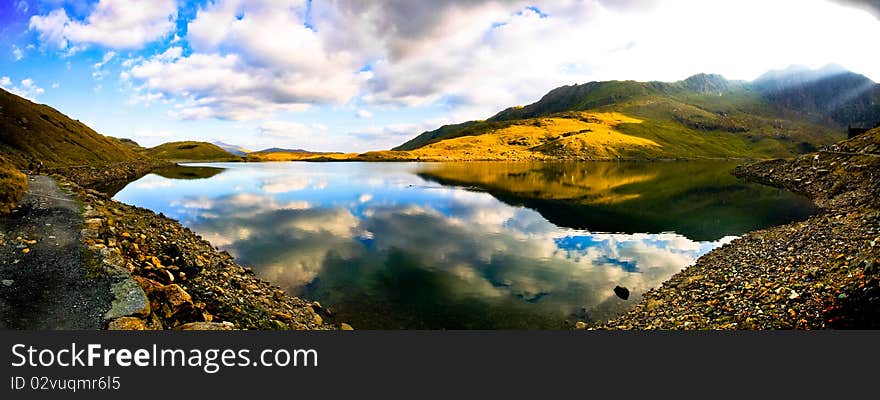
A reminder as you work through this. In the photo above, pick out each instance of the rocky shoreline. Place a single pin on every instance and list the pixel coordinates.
(95, 176)
(167, 277)
(816, 274)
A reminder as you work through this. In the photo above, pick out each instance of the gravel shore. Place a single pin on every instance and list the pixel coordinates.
(186, 279)
(815, 274)
(182, 281)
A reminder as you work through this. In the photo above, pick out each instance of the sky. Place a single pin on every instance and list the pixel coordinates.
(348, 75)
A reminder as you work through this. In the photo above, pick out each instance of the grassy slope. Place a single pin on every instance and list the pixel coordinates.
(13, 184)
(36, 132)
(704, 116)
(130, 144)
(594, 135)
(191, 151)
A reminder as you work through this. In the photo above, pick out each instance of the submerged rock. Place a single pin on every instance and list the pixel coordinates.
(206, 326)
(127, 324)
(621, 292)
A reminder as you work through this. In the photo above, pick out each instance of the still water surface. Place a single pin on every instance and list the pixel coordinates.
(465, 245)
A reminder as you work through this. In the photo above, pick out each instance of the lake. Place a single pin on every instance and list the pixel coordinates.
(465, 245)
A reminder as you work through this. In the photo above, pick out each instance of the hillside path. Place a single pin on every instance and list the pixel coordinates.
(44, 282)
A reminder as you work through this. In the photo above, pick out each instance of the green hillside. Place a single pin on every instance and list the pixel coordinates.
(191, 151)
(701, 116)
(31, 132)
(130, 144)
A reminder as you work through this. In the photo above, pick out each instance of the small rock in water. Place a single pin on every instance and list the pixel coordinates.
(206, 326)
(127, 324)
(621, 292)
(8, 282)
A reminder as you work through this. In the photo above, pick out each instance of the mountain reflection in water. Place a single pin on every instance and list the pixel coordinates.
(467, 246)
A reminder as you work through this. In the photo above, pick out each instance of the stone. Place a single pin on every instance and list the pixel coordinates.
(206, 326)
(148, 285)
(621, 292)
(176, 296)
(129, 299)
(652, 304)
(91, 213)
(177, 303)
(8, 282)
(113, 262)
(127, 324)
(345, 327)
(318, 320)
(580, 325)
(94, 223)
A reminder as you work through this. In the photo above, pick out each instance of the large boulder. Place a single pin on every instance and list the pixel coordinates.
(129, 300)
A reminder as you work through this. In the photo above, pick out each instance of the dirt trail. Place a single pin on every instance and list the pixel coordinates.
(44, 280)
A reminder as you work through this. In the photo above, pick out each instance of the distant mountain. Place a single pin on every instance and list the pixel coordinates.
(782, 113)
(280, 154)
(828, 95)
(282, 150)
(36, 132)
(231, 148)
(191, 151)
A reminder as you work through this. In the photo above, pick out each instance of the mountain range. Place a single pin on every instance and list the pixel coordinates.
(781, 113)
(231, 148)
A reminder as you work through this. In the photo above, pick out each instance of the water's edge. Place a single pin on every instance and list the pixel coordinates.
(132, 215)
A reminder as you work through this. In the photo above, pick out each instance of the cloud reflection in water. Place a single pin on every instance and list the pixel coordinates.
(387, 249)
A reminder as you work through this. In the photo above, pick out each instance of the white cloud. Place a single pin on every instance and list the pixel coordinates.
(17, 53)
(217, 86)
(284, 129)
(105, 59)
(118, 24)
(253, 60)
(145, 98)
(21, 6)
(27, 88)
(386, 137)
(285, 184)
(98, 73)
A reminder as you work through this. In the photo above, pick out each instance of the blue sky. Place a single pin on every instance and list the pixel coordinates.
(355, 76)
